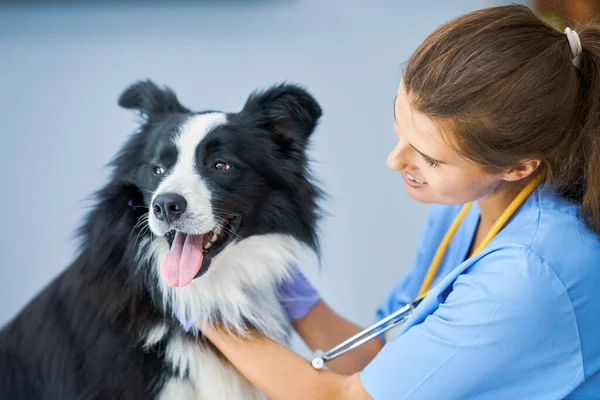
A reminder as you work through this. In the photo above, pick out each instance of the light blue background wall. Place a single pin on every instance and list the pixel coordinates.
(62, 68)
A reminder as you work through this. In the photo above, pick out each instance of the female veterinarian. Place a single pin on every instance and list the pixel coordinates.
(498, 122)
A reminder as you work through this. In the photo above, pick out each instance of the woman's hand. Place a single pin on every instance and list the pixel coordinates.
(317, 324)
(279, 372)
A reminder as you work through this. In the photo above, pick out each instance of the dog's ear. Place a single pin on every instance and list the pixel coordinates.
(150, 100)
(287, 110)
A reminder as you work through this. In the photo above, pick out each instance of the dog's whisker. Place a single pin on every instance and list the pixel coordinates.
(141, 232)
(227, 228)
(140, 221)
(141, 225)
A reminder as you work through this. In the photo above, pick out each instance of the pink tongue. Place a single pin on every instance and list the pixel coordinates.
(182, 263)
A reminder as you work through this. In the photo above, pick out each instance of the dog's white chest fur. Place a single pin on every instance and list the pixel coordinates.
(240, 287)
(203, 376)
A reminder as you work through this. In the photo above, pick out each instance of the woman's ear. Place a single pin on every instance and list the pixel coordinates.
(523, 170)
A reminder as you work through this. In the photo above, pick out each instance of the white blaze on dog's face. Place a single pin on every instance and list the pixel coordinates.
(196, 217)
(182, 203)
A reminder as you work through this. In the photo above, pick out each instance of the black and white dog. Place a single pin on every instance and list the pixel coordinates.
(203, 216)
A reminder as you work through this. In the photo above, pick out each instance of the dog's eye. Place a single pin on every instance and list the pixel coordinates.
(158, 170)
(221, 166)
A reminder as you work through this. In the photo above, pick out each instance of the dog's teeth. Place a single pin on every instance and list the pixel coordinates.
(214, 238)
(207, 245)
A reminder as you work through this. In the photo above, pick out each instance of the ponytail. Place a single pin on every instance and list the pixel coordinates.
(580, 171)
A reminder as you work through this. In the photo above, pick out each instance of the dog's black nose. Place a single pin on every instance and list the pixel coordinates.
(168, 206)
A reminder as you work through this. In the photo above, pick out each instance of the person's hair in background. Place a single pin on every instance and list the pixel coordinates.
(502, 86)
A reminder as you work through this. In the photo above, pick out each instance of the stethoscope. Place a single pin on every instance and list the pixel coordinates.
(399, 317)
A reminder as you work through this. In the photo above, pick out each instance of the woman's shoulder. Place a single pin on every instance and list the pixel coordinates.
(551, 227)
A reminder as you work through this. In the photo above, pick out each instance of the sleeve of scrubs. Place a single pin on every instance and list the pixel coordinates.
(496, 336)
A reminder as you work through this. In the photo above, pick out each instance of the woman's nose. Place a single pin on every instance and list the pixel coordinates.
(396, 160)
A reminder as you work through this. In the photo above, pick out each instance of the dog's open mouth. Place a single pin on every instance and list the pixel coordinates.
(190, 255)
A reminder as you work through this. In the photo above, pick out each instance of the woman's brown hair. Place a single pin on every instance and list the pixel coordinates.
(502, 83)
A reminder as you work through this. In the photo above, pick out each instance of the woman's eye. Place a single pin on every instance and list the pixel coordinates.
(158, 170)
(432, 163)
(221, 166)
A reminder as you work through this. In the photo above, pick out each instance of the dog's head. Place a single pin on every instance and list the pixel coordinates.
(210, 179)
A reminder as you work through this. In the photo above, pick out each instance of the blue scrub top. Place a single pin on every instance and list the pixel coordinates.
(519, 320)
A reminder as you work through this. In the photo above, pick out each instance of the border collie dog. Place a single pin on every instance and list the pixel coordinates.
(203, 216)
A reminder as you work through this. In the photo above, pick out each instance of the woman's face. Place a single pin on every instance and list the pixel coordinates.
(432, 170)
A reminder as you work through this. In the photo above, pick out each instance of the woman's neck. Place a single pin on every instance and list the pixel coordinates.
(491, 207)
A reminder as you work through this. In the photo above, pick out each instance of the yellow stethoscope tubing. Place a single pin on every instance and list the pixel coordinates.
(496, 227)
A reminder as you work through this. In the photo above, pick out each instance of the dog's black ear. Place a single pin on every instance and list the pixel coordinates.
(288, 110)
(149, 99)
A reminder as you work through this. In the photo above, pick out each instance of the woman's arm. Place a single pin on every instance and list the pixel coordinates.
(280, 373)
(322, 328)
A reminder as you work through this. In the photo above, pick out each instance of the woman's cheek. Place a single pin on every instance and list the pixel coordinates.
(449, 189)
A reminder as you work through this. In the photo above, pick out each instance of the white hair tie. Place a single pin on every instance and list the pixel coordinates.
(575, 44)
